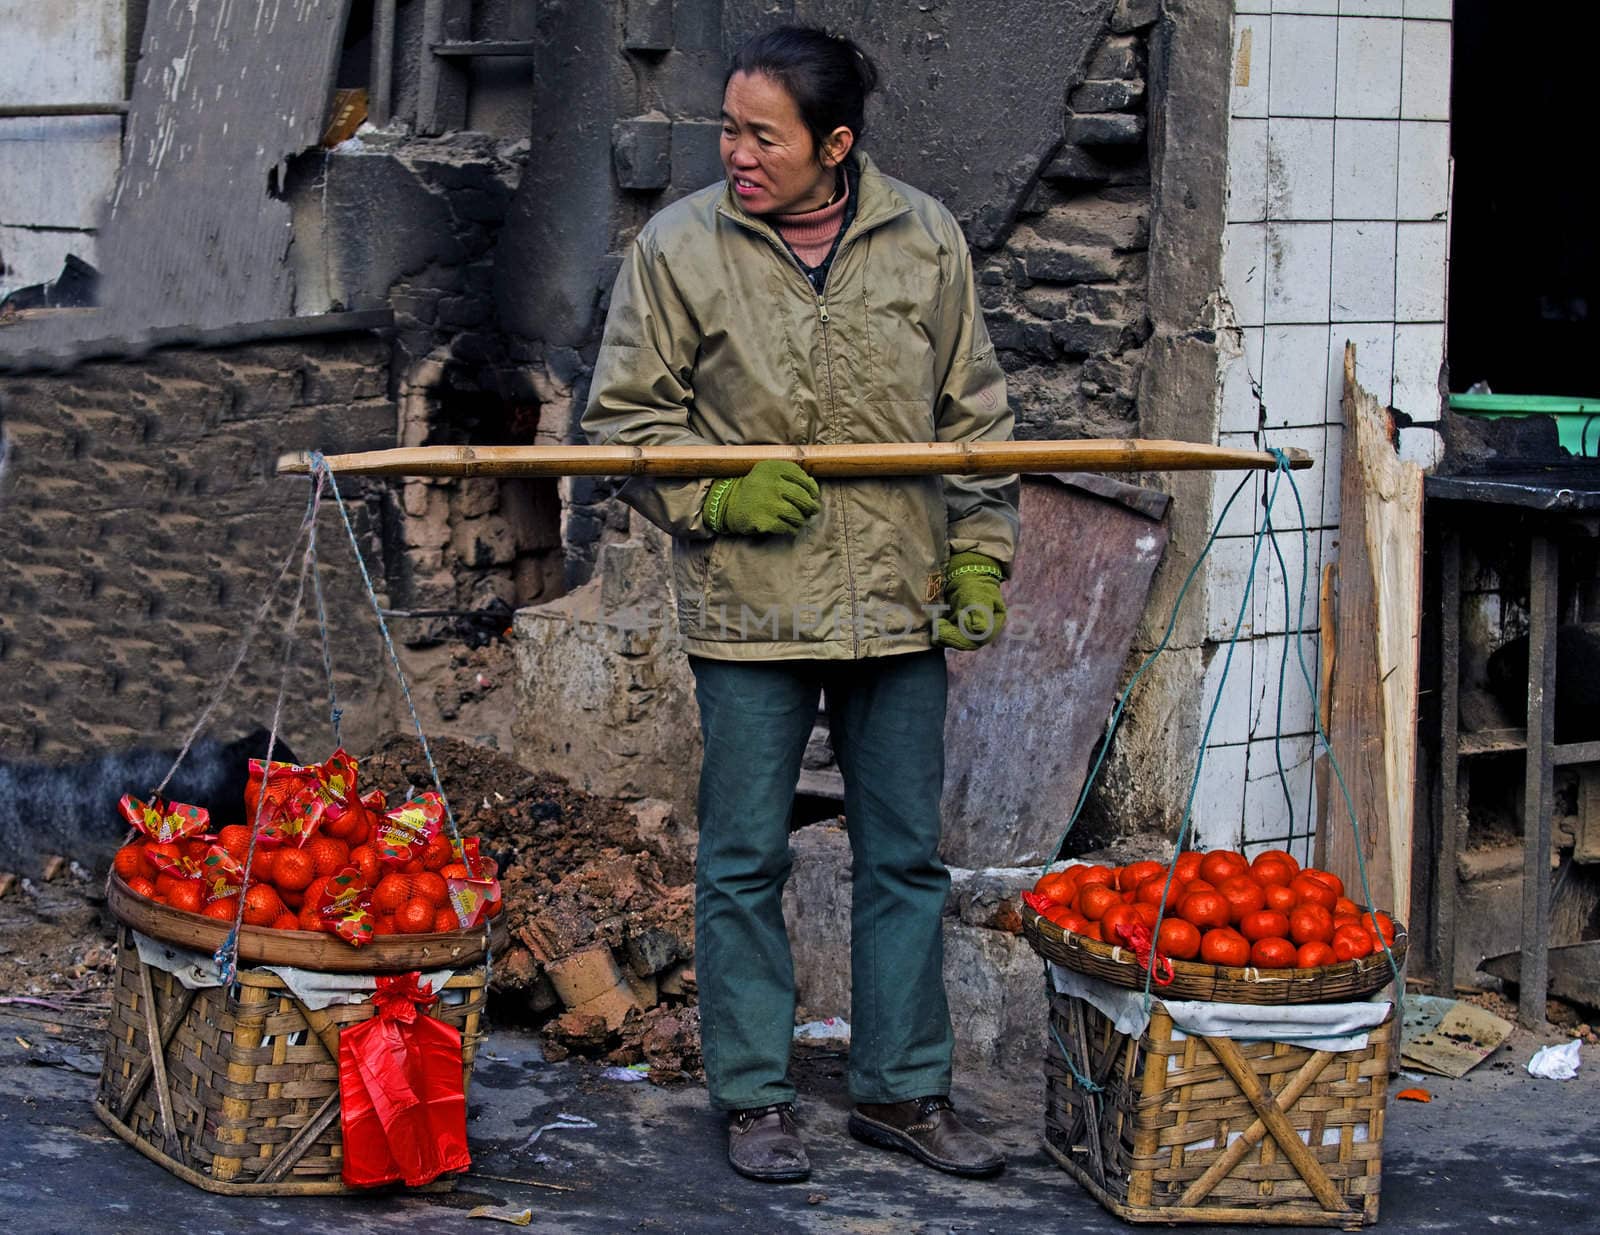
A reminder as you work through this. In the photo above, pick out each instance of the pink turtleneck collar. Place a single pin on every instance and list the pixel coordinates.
(811, 233)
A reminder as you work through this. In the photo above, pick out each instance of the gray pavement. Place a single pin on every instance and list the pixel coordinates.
(1497, 1150)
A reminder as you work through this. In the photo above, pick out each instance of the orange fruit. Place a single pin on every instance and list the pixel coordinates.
(1264, 924)
(1091, 930)
(170, 848)
(1382, 923)
(438, 852)
(1132, 875)
(392, 892)
(328, 854)
(1280, 855)
(1344, 907)
(293, 870)
(223, 910)
(1280, 897)
(383, 924)
(131, 863)
(1311, 924)
(196, 848)
(1273, 952)
(1096, 899)
(1198, 885)
(286, 921)
(365, 859)
(1270, 870)
(1326, 877)
(1097, 874)
(1058, 887)
(1224, 947)
(261, 905)
(1150, 892)
(445, 920)
(1244, 896)
(1186, 866)
(415, 917)
(458, 870)
(1178, 939)
(235, 838)
(187, 895)
(263, 864)
(1351, 943)
(1205, 909)
(1313, 891)
(311, 919)
(1314, 956)
(430, 886)
(140, 886)
(1220, 863)
(1118, 922)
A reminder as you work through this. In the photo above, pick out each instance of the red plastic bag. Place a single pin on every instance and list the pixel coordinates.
(403, 1107)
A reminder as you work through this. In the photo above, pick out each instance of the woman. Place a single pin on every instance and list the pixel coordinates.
(811, 298)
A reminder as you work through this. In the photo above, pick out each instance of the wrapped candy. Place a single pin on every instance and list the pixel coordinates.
(476, 895)
(404, 831)
(165, 821)
(402, 1098)
(345, 903)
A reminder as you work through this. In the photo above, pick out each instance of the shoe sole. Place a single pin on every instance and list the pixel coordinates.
(773, 1177)
(885, 1137)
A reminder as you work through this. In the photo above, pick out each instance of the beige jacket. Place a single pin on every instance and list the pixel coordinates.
(716, 336)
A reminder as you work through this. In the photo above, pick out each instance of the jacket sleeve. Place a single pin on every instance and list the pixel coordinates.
(641, 390)
(971, 407)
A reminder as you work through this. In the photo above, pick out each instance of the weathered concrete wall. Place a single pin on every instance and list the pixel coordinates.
(603, 692)
(141, 519)
(992, 977)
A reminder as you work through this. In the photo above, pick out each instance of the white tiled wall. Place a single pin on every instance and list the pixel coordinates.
(1338, 167)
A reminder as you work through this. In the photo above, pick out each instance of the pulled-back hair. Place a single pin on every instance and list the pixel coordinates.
(826, 75)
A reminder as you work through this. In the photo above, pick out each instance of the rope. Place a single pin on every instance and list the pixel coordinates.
(227, 956)
(1267, 534)
(319, 466)
(335, 712)
(1083, 1081)
(245, 644)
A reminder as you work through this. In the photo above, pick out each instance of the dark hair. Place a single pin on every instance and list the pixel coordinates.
(827, 76)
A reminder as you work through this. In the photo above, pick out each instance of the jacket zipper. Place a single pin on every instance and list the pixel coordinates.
(827, 354)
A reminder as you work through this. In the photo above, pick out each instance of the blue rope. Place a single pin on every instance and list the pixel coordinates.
(1083, 1081)
(1268, 534)
(320, 466)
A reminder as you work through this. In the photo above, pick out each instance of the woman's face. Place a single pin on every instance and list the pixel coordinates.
(767, 151)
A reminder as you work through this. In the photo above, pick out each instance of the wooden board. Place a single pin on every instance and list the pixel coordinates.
(1375, 675)
(1024, 716)
(199, 229)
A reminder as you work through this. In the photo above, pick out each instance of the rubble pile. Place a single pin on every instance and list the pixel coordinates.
(599, 905)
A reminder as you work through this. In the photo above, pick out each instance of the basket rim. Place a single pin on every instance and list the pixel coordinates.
(1359, 970)
(301, 949)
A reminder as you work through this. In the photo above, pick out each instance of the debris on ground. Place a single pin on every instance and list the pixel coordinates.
(599, 906)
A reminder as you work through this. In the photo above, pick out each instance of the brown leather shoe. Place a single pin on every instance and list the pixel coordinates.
(928, 1129)
(764, 1143)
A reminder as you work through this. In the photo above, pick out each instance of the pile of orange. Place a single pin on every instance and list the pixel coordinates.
(284, 890)
(1220, 908)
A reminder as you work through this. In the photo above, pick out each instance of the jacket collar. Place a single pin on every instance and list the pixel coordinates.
(879, 201)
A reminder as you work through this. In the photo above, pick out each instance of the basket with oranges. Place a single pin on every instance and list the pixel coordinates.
(1215, 926)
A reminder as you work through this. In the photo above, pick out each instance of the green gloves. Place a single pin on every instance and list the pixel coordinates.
(977, 612)
(773, 499)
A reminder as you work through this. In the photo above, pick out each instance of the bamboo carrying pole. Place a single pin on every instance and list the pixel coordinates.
(863, 459)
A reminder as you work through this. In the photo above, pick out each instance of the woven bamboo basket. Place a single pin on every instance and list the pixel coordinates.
(1198, 1129)
(242, 1097)
(1347, 980)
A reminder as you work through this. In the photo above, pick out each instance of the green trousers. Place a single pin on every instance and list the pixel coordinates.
(886, 716)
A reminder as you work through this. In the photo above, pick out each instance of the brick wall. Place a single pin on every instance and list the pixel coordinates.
(140, 518)
(1064, 297)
